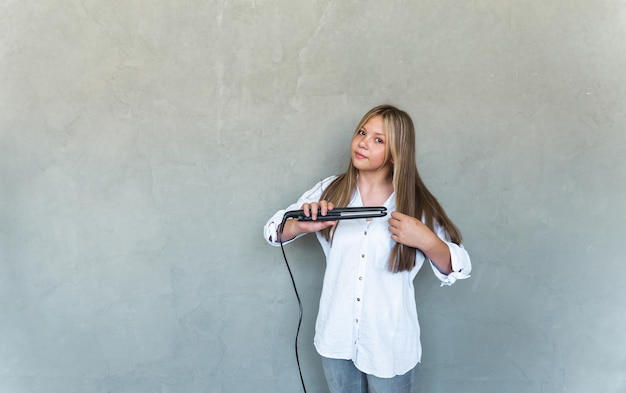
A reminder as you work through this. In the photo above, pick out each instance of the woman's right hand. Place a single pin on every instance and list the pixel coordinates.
(294, 228)
(312, 210)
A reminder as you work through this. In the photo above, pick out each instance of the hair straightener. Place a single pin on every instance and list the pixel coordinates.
(338, 213)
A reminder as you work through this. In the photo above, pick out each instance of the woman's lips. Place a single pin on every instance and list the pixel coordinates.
(359, 155)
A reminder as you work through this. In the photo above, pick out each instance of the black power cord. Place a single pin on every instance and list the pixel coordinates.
(280, 238)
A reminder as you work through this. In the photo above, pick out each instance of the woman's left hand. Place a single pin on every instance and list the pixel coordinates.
(411, 232)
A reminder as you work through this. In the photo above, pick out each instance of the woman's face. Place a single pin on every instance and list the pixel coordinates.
(369, 146)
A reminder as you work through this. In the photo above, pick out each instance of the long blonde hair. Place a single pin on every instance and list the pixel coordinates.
(412, 196)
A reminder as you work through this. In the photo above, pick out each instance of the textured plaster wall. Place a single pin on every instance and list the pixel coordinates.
(143, 144)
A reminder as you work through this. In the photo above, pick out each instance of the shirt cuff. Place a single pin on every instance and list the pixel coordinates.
(270, 230)
(461, 265)
(270, 233)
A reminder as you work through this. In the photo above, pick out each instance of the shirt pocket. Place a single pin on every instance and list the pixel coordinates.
(382, 247)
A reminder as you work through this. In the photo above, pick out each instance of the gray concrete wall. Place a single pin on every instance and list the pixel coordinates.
(143, 144)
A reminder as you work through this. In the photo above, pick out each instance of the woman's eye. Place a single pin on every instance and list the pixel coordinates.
(361, 132)
(378, 140)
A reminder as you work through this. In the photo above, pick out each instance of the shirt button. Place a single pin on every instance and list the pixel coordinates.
(361, 278)
(362, 255)
(358, 299)
(357, 320)
(365, 233)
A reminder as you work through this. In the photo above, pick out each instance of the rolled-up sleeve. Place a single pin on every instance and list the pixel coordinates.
(460, 259)
(461, 265)
(270, 230)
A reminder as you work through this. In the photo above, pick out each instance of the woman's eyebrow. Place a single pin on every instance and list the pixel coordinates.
(377, 132)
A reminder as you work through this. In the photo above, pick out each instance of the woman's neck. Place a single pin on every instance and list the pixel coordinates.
(375, 188)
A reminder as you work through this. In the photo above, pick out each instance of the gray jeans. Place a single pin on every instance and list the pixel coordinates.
(343, 377)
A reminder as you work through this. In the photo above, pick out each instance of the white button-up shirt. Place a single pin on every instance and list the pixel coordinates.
(367, 313)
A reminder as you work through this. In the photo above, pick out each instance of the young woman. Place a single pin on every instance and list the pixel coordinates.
(367, 330)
